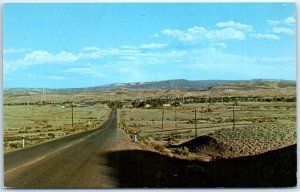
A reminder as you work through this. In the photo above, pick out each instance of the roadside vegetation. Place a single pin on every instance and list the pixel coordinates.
(40, 123)
(250, 128)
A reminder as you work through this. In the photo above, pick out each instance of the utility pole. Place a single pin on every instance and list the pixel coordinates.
(175, 120)
(233, 117)
(72, 114)
(162, 118)
(195, 123)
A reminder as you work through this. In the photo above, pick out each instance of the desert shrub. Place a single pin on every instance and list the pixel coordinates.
(129, 131)
(12, 138)
(15, 145)
(192, 121)
(158, 147)
(142, 137)
(170, 137)
(182, 151)
(51, 135)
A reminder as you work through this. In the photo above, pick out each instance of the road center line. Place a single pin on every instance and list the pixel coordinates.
(25, 165)
(34, 161)
(67, 146)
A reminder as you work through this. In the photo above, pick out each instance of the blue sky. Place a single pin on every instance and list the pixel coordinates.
(81, 45)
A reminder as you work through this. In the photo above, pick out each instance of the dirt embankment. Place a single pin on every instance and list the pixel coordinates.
(140, 165)
(146, 169)
(246, 141)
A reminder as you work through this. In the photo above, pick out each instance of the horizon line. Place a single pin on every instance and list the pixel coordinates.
(263, 79)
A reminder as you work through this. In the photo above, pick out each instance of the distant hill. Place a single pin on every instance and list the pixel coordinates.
(180, 84)
(183, 84)
(169, 84)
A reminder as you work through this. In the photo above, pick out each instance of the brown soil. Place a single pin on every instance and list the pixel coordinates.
(123, 141)
(246, 141)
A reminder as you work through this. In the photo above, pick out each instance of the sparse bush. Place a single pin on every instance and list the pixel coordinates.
(142, 137)
(15, 145)
(158, 147)
(192, 121)
(51, 135)
(182, 151)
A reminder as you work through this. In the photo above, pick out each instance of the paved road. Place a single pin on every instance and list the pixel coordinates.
(76, 161)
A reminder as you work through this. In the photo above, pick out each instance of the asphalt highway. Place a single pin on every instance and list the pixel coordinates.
(75, 161)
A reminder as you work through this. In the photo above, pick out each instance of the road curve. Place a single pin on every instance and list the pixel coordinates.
(75, 161)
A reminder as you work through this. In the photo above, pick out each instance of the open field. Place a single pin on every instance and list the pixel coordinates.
(266, 109)
(39, 123)
(258, 126)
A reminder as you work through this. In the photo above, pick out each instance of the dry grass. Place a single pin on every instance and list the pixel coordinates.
(259, 119)
(40, 123)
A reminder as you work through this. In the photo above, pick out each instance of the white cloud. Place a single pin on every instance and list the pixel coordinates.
(278, 60)
(180, 35)
(290, 21)
(90, 49)
(40, 57)
(57, 78)
(196, 34)
(154, 35)
(13, 50)
(234, 25)
(283, 30)
(153, 46)
(264, 36)
(95, 52)
(273, 22)
(226, 33)
(87, 70)
(128, 47)
(287, 21)
(219, 45)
